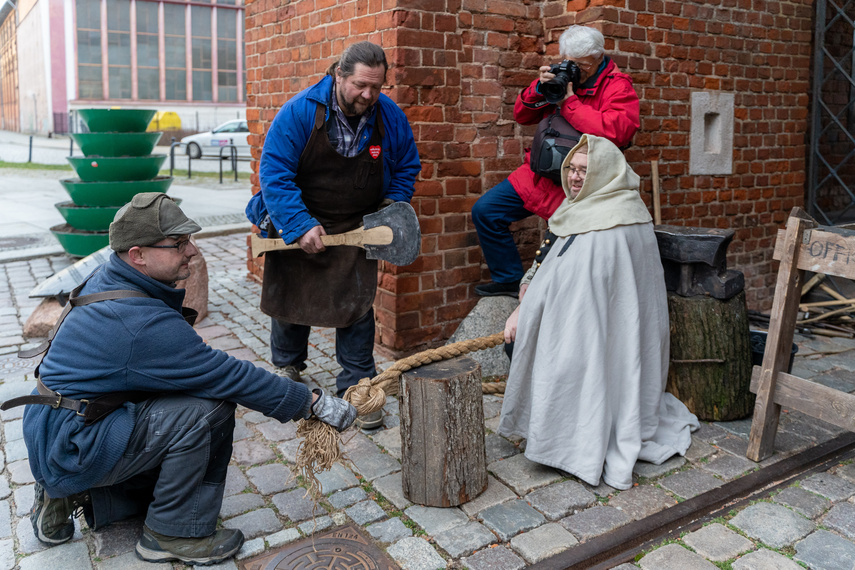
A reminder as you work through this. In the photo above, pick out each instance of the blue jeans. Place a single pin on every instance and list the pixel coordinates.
(354, 349)
(492, 215)
(174, 468)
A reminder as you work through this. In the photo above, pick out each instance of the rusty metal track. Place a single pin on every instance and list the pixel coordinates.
(622, 544)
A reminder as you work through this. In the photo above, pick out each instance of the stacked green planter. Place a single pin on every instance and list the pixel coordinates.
(117, 165)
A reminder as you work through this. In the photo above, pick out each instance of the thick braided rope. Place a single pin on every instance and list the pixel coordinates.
(320, 448)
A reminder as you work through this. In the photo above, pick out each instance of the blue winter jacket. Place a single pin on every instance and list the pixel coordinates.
(288, 136)
(133, 344)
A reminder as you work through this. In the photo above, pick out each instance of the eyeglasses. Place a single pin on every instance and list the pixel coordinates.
(573, 170)
(181, 246)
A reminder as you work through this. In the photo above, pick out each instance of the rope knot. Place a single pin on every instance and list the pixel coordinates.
(366, 396)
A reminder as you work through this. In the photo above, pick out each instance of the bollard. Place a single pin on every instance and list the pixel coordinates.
(30, 157)
(71, 147)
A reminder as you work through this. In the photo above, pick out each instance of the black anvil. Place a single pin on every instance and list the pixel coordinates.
(695, 262)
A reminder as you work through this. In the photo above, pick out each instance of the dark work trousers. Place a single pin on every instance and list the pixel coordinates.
(354, 349)
(492, 215)
(174, 468)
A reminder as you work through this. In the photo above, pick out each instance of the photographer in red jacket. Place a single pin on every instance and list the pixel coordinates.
(601, 102)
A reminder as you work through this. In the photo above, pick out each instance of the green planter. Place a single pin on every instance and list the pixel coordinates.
(86, 217)
(110, 169)
(78, 242)
(111, 193)
(116, 144)
(117, 120)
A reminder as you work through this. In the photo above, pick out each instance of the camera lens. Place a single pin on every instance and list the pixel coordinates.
(555, 90)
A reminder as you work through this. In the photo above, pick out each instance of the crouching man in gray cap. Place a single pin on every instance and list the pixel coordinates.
(133, 412)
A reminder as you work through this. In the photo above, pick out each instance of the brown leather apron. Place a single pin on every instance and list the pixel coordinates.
(336, 287)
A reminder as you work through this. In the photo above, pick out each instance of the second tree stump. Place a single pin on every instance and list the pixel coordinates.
(443, 457)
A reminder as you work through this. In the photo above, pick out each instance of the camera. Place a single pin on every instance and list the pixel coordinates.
(555, 90)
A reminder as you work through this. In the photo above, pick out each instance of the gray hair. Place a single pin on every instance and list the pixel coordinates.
(366, 53)
(581, 41)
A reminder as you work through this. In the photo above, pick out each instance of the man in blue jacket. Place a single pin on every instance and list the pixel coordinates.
(335, 152)
(133, 412)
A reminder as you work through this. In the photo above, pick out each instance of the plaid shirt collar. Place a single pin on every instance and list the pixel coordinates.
(343, 138)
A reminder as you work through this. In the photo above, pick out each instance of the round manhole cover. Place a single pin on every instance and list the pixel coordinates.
(12, 364)
(18, 242)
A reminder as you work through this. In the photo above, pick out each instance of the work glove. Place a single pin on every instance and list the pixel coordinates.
(333, 411)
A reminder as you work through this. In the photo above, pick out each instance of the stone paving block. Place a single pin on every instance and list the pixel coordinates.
(389, 531)
(250, 452)
(16, 450)
(699, 449)
(841, 518)
(255, 523)
(828, 485)
(690, 483)
(595, 521)
(788, 443)
(543, 542)
(498, 447)
(764, 559)
(278, 431)
(523, 475)
(129, 561)
(271, 478)
(498, 558)
(823, 550)
(250, 548)
(13, 430)
(367, 458)
(239, 504)
(236, 481)
(642, 501)
(24, 497)
(365, 512)
(19, 473)
(492, 405)
(728, 466)
(435, 520)
(561, 499)
(254, 417)
(718, 543)
(788, 526)
(413, 553)
(242, 431)
(392, 490)
(316, 525)
(734, 444)
(347, 498)
(118, 538)
(296, 505)
(336, 479)
(282, 537)
(390, 440)
(809, 504)
(288, 449)
(509, 519)
(674, 557)
(494, 494)
(68, 556)
(626, 566)
(5, 519)
(651, 470)
(464, 540)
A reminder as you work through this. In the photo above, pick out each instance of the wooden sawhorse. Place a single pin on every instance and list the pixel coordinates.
(802, 246)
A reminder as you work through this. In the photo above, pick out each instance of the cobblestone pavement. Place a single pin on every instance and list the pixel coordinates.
(527, 513)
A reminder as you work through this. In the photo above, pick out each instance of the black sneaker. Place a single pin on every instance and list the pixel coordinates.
(51, 517)
(212, 549)
(493, 289)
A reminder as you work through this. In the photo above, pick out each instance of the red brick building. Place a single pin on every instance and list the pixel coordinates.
(457, 67)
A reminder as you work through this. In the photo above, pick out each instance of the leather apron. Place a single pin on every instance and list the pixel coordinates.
(336, 287)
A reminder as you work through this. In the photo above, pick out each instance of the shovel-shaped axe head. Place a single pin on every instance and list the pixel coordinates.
(406, 234)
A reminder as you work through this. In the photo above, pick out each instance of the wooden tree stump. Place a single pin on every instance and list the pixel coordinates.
(710, 369)
(443, 456)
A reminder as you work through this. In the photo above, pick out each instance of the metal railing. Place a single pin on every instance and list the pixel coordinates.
(232, 157)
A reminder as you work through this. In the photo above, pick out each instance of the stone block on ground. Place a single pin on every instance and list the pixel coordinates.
(674, 557)
(690, 483)
(559, 500)
(809, 504)
(365, 512)
(718, 543)
(498, 447)
(831, 486)
(494, 494)
(841, 518)
(823, 550)
(271, 478)
(389, 531)
(255, 523)
(435, 520)
(764, 559)
(464, 540)
(509, 519)
(788, 526)
(729, 466)
(487, 318)
(69, 555)
(523, 475)
(392, 489)
(595, 521)
(642, 501)
(498, 558)
(543, 542)
(413, 553)
(651, 470)
(296, 505)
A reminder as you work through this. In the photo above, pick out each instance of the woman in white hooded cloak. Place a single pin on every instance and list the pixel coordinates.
(591, 336)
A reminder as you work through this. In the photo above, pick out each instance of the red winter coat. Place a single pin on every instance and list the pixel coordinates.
(608, 109)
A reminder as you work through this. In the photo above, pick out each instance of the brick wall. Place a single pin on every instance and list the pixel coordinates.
(458, 65)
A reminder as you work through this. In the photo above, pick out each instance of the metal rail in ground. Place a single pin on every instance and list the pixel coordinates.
(624, 543)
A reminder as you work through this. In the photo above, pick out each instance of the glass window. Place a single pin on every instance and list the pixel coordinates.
(89, 49)
(119, 48)
(175, 52)
(227, 55)
(200, 49)
(148, 56)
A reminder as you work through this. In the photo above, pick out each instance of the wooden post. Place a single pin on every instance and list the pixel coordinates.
(444, 460)
(657, 211)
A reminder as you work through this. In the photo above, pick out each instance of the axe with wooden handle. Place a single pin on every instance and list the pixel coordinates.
(391, 234)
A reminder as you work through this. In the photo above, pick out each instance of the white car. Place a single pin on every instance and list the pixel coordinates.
(209, 144)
